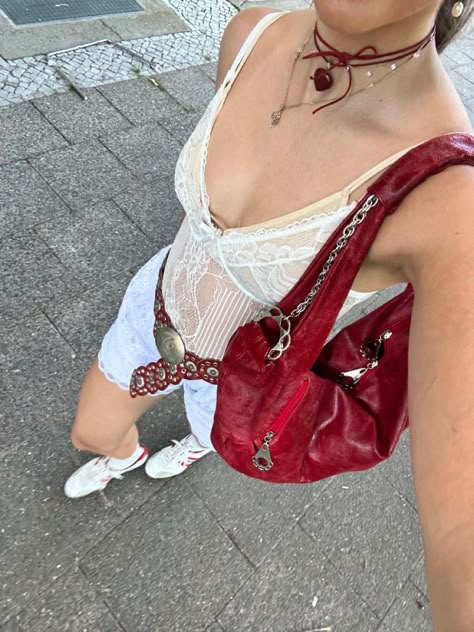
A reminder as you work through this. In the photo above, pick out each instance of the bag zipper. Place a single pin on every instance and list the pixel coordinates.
(263, 458)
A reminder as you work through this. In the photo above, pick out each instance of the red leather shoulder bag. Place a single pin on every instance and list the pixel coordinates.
(292, 409)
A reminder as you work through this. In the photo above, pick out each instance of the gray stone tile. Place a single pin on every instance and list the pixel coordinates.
(84, 319)
(256, 515)
(97, 243)
(25, 198)
(43, 532)
(83, 173)
(410, 611)
(154, 207)
(418, 578)
(31, 276)
(38, 39)
(368, 532)
(296, 589)
(210, 70)
(68, 604)
(168, 567)
(398, 469)
(463, 86)
(26, 133)
(191, 87)
(80, 120)
(40, 380)
(142, 102)
(149, 24)
(147, 151)
(467, 71)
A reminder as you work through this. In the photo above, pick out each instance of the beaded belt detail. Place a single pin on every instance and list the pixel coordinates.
(176, 364)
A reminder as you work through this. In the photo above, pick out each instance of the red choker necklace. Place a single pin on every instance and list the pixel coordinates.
(367, 56)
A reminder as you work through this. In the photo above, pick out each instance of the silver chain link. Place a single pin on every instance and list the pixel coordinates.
(341, 242)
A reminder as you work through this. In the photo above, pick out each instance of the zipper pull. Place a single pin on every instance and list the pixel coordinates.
(348, 379)
(263, 459)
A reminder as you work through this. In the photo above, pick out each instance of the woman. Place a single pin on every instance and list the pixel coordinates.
(284, 129)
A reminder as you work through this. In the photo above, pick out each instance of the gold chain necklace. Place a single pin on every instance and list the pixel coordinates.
(276, 116)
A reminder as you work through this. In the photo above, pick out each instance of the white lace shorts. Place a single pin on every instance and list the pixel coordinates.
(129, 343)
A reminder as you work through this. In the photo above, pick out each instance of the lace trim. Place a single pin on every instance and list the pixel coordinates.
(109, 376)
(293, 227)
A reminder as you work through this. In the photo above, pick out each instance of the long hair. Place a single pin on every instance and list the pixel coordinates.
(447, 27)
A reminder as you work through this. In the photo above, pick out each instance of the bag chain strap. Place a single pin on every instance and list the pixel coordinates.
(284, 321)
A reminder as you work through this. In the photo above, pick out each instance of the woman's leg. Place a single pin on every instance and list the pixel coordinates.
(105, 425)
(106, 416)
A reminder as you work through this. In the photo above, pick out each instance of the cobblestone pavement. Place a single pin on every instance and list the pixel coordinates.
(86, 196)
(33, 76)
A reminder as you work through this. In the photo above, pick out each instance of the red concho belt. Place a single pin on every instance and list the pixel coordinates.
(176, 364)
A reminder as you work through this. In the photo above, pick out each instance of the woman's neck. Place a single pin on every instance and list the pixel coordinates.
(411, 74)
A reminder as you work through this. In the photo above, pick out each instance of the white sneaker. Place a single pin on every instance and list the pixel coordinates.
(95, 475)
(176, 458)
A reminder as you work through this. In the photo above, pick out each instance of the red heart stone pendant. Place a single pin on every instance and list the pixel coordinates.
(322, 79)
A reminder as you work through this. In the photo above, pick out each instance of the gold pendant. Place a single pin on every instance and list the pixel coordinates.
(276, 116)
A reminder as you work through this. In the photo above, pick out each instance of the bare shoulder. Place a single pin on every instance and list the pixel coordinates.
(234, 36)
(436, 221)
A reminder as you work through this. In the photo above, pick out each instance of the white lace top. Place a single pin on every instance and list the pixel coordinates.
(217, 280)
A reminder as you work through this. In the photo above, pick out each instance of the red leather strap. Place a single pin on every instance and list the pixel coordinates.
(398, 180)
(420, 163)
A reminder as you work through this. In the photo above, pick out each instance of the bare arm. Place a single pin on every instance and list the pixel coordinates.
(439, 261)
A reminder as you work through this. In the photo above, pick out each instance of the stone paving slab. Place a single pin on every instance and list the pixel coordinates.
(158, 19)
(46, 37)
(19, 209)
(369, 532)
(410, 611)
(38, 369)
(254, 514)
(31, 276)
(154, 208)
(26, 133)
(97, 174)
(142, 102)
(43, 533)
(68, 604)
(147, 151)
(84, 319)
(397, 469)
(30, 40)
(315, 595)
(80, 120)
(171, 561)
(97, 243)
(191, 87)
(417, 577)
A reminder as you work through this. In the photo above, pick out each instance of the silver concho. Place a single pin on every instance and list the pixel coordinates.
(170, 345)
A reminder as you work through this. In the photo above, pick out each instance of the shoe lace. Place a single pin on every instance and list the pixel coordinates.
(178, 452)
(103, 471)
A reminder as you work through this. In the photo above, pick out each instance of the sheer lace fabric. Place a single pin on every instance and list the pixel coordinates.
(217, 280)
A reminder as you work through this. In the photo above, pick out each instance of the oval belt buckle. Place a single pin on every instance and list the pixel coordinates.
(170, 345)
